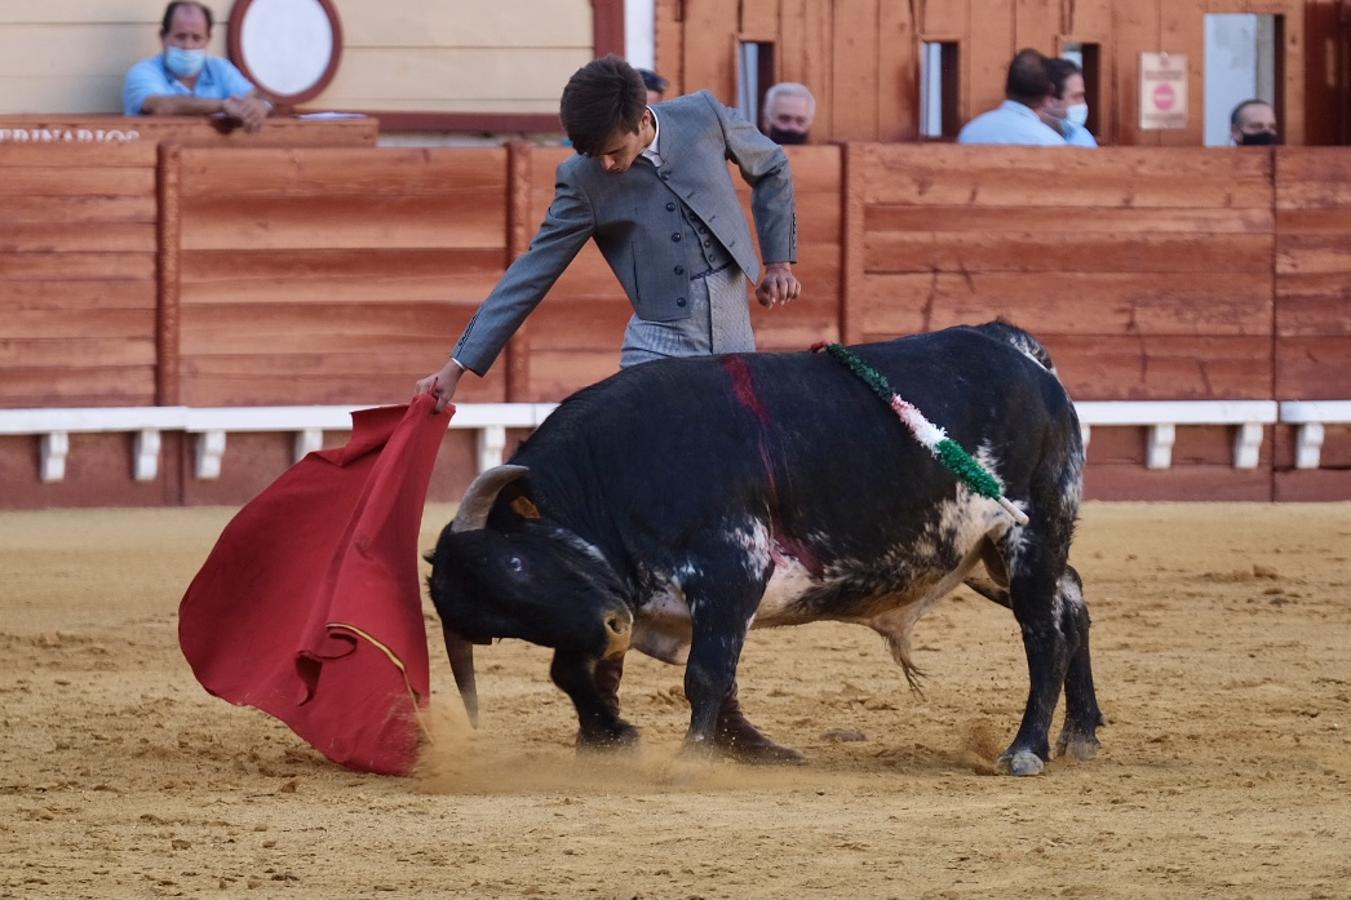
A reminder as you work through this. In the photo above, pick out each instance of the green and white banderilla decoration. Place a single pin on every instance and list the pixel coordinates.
(932, 438)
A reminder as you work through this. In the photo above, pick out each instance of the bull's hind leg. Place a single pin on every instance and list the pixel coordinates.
(1078, 737)
(594, 690)
(1034, 594)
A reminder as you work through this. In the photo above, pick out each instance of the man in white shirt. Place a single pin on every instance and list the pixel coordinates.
(1018, 119)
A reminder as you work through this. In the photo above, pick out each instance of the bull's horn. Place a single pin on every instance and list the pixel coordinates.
(473, 513)
(461, 654)
(478, 500)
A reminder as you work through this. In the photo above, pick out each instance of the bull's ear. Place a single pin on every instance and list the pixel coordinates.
(478, 500)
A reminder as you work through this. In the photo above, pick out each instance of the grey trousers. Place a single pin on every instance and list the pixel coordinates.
(719, 322)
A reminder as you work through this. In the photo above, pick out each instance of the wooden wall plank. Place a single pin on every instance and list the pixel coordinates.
(897, 73)
(1313, 368)
(1075, 220)
(460, 219)
(1182, 30)
(709, 60)
(1296, 118)
(1036, 24)
(60, 155)
(941, 19)
(669, 37)
(1066, 252)
(1089, 20)
(80, 209)
(1181, 483)
(28, 387)
(77, 266)
(323, 276)
(1213, 367)
(49, 237)
(855, 74)
(76, 295)
(989, 49)
(1092, 303)
(792, 49)
(92, 323)
(64, 181)
(327, 172)
(1311, 305)
(63, 351)
(1019, 176)
(1136, 28)
(760, 18)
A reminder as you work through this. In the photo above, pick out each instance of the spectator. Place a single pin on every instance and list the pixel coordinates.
(650, 187)
(1253, 124)
(185, 81)
(1018, 119)
(789, 112)
(655, 84)
(1067, 108)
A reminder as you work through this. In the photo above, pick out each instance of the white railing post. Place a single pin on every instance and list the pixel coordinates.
(53, 447)
(308, 440)
(492, 442)
(1309, 445)
(1247, 445)
(145, 455)
(210, 449)
(1160, 453)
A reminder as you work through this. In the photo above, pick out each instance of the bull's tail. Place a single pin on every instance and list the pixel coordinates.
(899, 645)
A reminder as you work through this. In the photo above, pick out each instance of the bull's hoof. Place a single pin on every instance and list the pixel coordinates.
(621, 736)
(762, 752)
(1077, 746)
(1023, 762)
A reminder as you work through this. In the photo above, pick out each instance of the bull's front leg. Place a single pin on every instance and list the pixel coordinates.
(719, 618)
(593, 686)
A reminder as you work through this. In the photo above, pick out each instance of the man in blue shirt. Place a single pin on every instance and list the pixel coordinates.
(1067, 108)
(185, 81)
(1018, 119)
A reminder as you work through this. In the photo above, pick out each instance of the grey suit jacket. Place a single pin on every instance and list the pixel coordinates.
(634, 221)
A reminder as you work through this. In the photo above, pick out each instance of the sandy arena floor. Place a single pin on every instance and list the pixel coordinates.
(1222, 644)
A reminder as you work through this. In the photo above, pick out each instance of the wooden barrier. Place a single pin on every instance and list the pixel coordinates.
(333, 276)
(77, 275)
(58, 132)
(233, 276)
(1313, 310)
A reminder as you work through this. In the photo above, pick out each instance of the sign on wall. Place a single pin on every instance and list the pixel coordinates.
(1163, 90)
(289, 49)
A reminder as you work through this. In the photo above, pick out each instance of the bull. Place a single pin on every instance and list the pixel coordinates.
(678, 504)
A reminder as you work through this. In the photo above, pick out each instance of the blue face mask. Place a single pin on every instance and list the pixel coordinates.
(184, 63)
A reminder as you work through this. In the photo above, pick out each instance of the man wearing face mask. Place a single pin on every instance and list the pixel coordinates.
(184, 81)
(1253, 124)
(790, 110)
(1066, 109)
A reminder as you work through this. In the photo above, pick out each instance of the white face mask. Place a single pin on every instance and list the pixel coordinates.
(1077, 114)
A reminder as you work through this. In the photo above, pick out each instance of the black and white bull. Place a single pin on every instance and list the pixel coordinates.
(677, 505)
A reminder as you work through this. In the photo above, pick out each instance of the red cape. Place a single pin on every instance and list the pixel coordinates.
(309, 606)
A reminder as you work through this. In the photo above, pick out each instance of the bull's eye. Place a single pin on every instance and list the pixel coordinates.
(515, 564)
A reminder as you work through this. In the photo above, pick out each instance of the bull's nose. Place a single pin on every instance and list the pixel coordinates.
(618, 632)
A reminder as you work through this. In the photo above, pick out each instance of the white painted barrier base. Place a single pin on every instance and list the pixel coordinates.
(211, 425)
